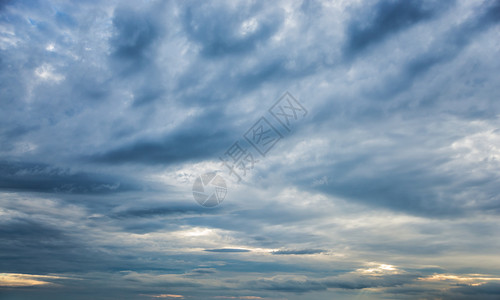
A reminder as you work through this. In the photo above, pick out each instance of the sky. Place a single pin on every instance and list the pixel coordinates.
(377, 175)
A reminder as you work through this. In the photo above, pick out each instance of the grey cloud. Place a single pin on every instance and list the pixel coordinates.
(65, 19)
(3, 4)
(36, 177)
(135, 32)
(374, 24)
(348, 282)
(363, 282)
(203, 136)
(415, 178)
(174, 149)
(104, 104)
(227, 250)
(11, 135)
(298, 252)
(442, 50)
(290, 286)
(486, 290)
(33, 247)
(179, 209)
(204, 271)
(217, 27)
(489, 290)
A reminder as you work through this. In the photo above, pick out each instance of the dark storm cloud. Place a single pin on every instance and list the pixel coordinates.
(134, 35)
(276, 71)
(443, 50)
(490, 290)
(36, 177)
(457, 38)
(485, 290)
(372, 25)
(204, 271)
(10, 135)
(348, 282)
(363, 282)
(201, 272)
(289, 286)
(121, 105)
(234, 265)
(29, 236)
(32, 247)
(246, 39)
(24, 230)
(179, 209)
(218, 28)
(135, 40)
(414, 187)
(35, 247)
(399, 190)
(227, 250)
(179, 147)
(417, 185)
(415, 177)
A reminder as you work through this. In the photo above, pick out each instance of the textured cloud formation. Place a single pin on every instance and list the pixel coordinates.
(384, 190)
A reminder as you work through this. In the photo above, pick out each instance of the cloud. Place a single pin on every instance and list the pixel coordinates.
(25, 280)
(298, 252)
(240, 297)
(227, 250)
(173, 149)
(110, 111)
(445, 49)
(134, 34)
(484, 291)
(290, 286)
(50, 179)
(372, 25)
(348, 281)
(223, 30)
(167, 296)
(161, 211)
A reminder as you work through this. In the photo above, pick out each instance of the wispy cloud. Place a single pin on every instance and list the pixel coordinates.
(26, 280)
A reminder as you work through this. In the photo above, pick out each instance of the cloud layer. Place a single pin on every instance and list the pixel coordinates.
(383, 190)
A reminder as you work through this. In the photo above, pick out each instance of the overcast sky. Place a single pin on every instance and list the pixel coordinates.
(387, 188)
